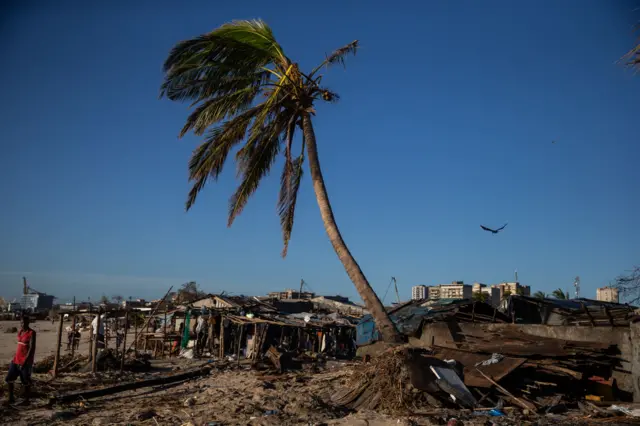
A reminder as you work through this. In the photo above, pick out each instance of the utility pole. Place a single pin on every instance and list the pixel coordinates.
(301, 284)
(74, 303)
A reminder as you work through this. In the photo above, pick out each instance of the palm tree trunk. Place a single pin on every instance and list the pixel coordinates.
(372, 302)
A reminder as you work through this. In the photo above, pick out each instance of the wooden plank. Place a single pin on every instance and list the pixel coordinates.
(524, 404)
(95, 393)
(468, 360)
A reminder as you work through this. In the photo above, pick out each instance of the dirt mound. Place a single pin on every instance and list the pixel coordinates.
(11, 330)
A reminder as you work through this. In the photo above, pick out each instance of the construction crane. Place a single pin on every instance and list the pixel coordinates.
(395, 284)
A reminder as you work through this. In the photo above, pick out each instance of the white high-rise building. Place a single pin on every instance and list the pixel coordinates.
(419, 292)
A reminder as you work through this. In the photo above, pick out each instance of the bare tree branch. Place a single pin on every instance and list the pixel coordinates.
(628, 286)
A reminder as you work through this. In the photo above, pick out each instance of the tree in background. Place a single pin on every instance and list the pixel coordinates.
(628, 286)
(559, 294)
(117, 298)
(480, 296)
(506, 294)
(189, 292)
(245, 88)
(104, 299)
(539, 295)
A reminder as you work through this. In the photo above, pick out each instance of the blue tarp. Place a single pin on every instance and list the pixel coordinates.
(407, 318)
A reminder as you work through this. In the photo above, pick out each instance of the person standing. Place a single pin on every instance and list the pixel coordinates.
(22, 362)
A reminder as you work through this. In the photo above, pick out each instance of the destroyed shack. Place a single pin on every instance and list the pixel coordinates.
(244, 328)
(410, 317)
(532, 352)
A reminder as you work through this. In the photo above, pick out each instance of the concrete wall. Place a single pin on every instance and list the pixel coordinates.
(445, 334)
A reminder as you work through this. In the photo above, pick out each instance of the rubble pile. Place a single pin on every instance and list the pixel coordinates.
(534, 370)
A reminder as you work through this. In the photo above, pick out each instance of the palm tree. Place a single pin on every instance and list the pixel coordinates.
(539, 295)
(246, 89)
(559, 294)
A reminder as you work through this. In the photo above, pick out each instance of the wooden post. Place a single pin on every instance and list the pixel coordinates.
(255, 341)
(73, 339)
(124, 339)
(90, 336)
(210, 334)
(240, 342)
(135, 335)
(56, 361)
(146, 325)
(164, 335)
(94, 359)
(221, 336)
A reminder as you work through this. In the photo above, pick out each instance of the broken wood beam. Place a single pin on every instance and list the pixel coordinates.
(96, 393)
(524, 404)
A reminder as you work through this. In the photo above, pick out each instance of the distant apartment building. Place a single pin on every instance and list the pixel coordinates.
(512, 288)
(455, 290)
(291, 294)
(608, 294)
(419, 292)
(493, 293)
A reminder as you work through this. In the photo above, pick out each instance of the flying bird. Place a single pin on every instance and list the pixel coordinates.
(494, 231)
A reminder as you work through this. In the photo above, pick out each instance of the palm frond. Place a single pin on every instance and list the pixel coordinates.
(204, 66)
(289, 187)
(337, 57)
(632, 57)
(254, 162)
(218, 109)
(209, 157)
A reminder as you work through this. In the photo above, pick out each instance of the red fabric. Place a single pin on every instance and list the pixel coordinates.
(24, 339)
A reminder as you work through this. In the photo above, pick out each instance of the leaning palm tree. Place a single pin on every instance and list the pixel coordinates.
(539, 295)
(248, 92)
(559, 294)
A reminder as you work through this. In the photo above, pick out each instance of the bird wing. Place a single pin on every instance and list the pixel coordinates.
(503, 226)
(486, 229)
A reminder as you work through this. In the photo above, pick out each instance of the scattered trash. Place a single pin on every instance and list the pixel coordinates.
(493, 413)
(495, 358)
(186, 353)
(271, 412)
(629, 412)
(190, 401)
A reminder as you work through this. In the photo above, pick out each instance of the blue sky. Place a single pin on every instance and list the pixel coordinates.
(446, 122)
